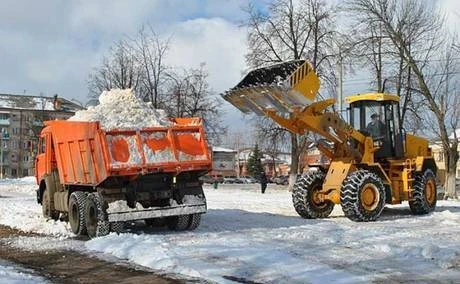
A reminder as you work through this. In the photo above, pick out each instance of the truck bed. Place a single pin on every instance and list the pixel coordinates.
(87, 155)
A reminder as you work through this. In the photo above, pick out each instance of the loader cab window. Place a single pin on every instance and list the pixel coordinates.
(380, 120)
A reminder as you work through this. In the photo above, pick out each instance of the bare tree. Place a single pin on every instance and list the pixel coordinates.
(118, 70)
(416, 29)
(139, 64)
(150, 52)
(292, 30)
(189, 95)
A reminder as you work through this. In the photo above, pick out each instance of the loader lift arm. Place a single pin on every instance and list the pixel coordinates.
(283, 99)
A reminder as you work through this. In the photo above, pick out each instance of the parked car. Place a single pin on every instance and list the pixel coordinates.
(247, 179)
(282, 180)
(210, 179)
(230, 179)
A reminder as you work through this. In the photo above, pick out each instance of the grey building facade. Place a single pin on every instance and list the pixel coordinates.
(21, 120)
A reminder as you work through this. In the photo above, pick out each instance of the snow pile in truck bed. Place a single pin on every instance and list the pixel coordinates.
(121, 109)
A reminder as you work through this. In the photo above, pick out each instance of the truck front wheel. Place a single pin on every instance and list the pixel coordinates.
(97, 223)
(48, 212)
(77, 203)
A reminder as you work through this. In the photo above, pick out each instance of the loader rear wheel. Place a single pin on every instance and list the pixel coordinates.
(48, 212)
(77, 203)
(305, 199)
(96, 217)
(424, 195)
(362, 196)
(179, 223)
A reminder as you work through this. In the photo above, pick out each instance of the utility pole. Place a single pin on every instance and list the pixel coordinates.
(340, 82)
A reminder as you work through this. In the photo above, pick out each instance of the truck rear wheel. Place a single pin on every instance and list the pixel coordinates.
(424, 195)
(77, 203)
(304, 197)
(48, 212)
(179, 223)
(194, 222)
(97, 223)
(117, 227)
(362, 196)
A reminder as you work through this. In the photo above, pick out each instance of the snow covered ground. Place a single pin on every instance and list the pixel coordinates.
(253, 237)
(13, 274)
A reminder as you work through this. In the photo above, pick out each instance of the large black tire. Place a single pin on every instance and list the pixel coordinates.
(48, 212)
(179, 223)
(117, 227)
(97, 223)
(155, 222)
(362, 196)
(194, 222)
(77, 204)
(424, 195)
(303, 197)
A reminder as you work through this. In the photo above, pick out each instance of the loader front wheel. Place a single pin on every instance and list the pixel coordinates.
(362, 196)
(77, 203)
(97, 223)
(47, 210)
(424, 194)
(305, 199)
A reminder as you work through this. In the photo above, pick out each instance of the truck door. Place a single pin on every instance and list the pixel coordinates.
(42, 162)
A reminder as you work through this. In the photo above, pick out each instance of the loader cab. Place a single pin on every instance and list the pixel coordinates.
(377, 115)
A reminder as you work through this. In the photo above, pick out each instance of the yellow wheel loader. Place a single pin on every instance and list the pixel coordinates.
(373, 162)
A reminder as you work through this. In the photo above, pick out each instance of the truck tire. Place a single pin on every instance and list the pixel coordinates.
(424, 195)
(303, 197)
(48, 213)
(155, 222)
(117, 227)
(77, 204)
(362, 196)
(194, 222)
(97, 223)
(179, 223)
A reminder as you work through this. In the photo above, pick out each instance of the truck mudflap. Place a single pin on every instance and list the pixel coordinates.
(156, 212)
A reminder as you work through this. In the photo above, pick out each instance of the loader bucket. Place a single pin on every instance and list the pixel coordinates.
(282, 87)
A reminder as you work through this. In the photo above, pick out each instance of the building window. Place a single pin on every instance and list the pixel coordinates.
(14, 172)
(25, 172)
(15, 130)
(25, 158)
(14, 144)
(4, 116)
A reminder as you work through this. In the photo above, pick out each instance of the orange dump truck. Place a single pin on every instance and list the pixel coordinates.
(101, 179)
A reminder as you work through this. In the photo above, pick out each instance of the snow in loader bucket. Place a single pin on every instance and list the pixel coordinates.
(283, 87)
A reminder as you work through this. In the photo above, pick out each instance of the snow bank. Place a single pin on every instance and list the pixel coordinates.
(14, 274)
(121, 109)
(260, 238)
(25, 185)
(22, 212)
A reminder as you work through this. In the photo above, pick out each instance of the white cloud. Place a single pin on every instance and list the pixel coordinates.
(217, 42)
(51, 46)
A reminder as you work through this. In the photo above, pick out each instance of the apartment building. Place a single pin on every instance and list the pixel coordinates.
(21, 120)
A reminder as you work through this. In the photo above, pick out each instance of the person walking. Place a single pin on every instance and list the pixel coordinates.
(263, 181)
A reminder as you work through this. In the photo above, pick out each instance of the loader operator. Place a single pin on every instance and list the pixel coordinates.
(376, 127)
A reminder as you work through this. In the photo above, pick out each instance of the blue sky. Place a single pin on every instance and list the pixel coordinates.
(51, 46)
